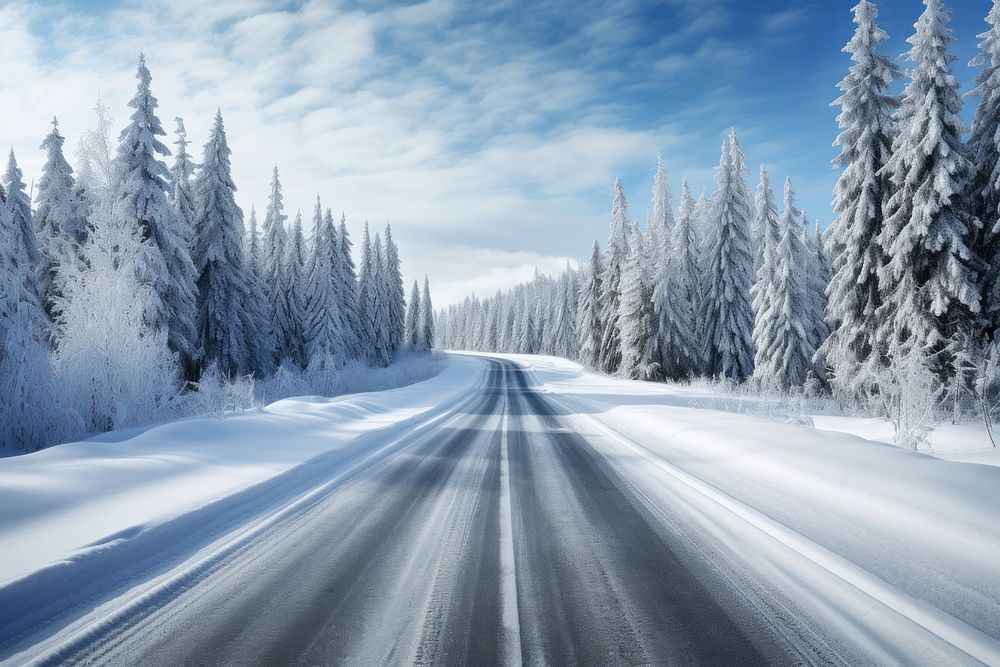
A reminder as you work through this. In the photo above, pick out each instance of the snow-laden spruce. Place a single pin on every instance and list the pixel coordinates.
(661, 217)
(854, 349)
(393, 277)
(29, 410)
(228, 325)
(765, 219)
(324, 326)
(276, 283)
(295, 271)
(782, 332)
(348, 292)
(983, 190)
(141, 190)
(726, 313)
(588, 311)
(676, 294)
(18, 205)
(640, 354)
(181, 175)
(610, 352)
(928, 284)
(427, 336)
(60, 215)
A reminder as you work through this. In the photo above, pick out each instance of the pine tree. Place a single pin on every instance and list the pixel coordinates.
(817, 279)
(609, 356)
(324, 324)
(26, 243)
(983, 189)
(397, 296)
(276, 283)
(929, 282)
(563, 342)
(412, 337)
(765, 219)
(661, 218)
(29, 412)
(427, 337)
(726, 311)
(294, 270)
(781, 335)
(365, 330)
(854, 296)
(141, 189)
(228, 321)
(588, 314)
(640, 354)
(60, 216)
(676, 294)
(348, 292)
(180, 183)
(378, 298)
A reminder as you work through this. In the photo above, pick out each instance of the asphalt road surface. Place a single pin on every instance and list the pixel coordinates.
(499, 537)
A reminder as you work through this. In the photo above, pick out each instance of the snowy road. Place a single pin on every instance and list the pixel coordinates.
(509, 531)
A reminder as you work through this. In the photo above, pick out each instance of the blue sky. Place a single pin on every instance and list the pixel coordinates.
(489, 134)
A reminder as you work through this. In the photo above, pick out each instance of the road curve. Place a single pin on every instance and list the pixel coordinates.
(500, 537)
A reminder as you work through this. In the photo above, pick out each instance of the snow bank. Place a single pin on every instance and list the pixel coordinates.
(70, 505)
(927, 528)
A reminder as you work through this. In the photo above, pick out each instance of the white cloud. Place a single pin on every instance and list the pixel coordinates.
(402, 114)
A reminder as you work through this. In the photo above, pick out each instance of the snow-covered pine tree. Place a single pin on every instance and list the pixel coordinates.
(30, 414)
(26, 243)
(781, 333)
(765, 219)
(276, 285)
(588, 312)
(141, 188)
(323, 323)
(427, 337)
(726, 311)
(676, 293)
(661, 217)
(929, 281)
(295, 268)
(610, 353)
(397, 295)
(489, 342)
(258, 305)
(411, 337)
(983, 189)
(228, 309)
(817, 277)
(640, 354)
(853, 349)
(378, 298)
(348, 292)
(563, 342)
(366, 289)
(60, 216)
(180, 183)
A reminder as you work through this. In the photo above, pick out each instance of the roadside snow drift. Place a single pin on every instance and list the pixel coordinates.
(72, 512)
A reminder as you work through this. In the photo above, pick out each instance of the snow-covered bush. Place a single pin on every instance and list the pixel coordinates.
(115, 368)
(910, 396)
(217, 395)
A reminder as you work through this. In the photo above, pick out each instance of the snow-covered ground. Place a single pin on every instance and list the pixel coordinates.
(85, 506)
(898, 550)
(915, 532)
